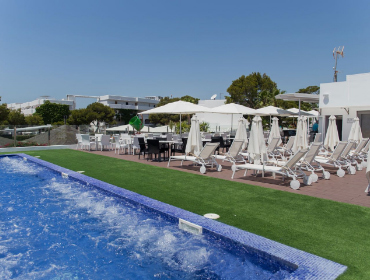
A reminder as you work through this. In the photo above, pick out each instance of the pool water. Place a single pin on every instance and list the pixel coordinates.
(56, 228)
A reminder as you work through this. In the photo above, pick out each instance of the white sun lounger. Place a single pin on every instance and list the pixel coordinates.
(233, 155)
(334, 159)
(356, 155)
(287, 170)
(307, 163)
(205, 158)
(270, 150)
(287, 148)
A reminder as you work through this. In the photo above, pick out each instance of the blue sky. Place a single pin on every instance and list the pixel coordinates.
(141, 48)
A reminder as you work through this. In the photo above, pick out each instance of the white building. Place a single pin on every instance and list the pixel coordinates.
(113, 101)
(28, 108)
(346, 100)
(132, 103)
(218, 122)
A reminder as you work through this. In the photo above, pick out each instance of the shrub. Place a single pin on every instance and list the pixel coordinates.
(23, 144)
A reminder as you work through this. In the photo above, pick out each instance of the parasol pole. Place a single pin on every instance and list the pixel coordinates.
(180, 127)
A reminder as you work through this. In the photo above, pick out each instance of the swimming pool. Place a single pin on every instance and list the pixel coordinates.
(81, 228)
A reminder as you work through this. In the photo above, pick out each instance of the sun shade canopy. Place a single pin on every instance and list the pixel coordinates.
(272, 111)
(304, 97)
(233, 108)
(178, 107)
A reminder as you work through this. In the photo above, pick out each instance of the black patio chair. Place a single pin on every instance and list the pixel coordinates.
(143, 148)
(179, 147)
(164, 148)
(154, 148)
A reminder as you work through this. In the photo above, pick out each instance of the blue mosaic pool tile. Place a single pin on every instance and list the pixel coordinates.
(302, 265)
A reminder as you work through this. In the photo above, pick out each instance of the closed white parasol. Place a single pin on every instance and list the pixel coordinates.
(332, 137)
(355, 134)
(194, 144)
(300, 140)
(256, 146)
(241, 133)
(275, 131)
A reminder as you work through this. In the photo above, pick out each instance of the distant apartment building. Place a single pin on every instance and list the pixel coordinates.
(28, 108)
(132, 103)
(115, 102)
(118, 102)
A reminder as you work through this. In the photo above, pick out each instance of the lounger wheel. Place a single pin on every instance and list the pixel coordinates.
(307, 180)
(294, 184)
(219, 168)
(359, 167)
(352, 170)
(314, 177)
(203, 169)
(326, 175)
(341, 173)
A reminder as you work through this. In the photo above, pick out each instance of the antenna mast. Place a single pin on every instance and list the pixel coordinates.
(335, 56)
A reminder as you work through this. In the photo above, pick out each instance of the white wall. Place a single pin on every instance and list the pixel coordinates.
(355, 91)
(346, 99)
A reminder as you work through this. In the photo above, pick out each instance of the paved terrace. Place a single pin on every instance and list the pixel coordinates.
(349, 189)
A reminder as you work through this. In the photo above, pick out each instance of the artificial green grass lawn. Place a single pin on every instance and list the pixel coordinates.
(333, 230)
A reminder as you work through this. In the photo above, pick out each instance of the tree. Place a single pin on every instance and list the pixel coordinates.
(204, 126)
(16, 117)
(78, 117)
(4, 112)
(190, 99)
(125, 115)
(310, 90)
(253, 91)
(34, 119)
(52, 112)
(100, 113)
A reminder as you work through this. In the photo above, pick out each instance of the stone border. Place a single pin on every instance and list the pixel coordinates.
(302, 264)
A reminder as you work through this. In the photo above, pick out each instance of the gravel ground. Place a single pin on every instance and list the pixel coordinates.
(4, 141)
(63, 135)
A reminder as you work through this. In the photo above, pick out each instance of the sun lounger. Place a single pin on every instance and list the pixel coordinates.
(334, 159)
(287, 170)
(287, 148)
(205, 158)
(360, 154)
(270, 150)
(233, 155)
(307, 163)
(355, 155)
